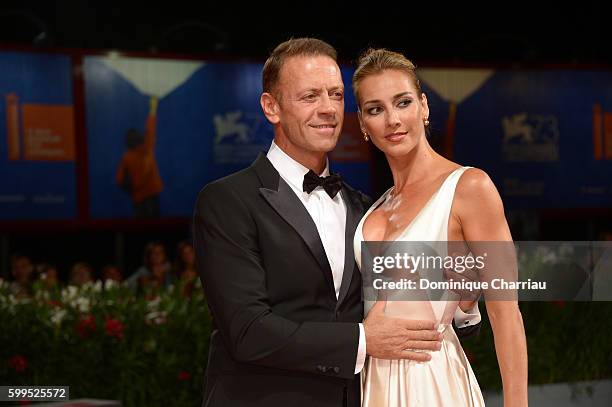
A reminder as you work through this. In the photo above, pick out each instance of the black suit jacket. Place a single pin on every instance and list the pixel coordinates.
(280, 336)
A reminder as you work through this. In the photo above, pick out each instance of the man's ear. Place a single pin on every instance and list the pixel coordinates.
(270, 107)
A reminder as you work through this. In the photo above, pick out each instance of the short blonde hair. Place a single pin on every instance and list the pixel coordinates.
(293, 47)
(374, 61)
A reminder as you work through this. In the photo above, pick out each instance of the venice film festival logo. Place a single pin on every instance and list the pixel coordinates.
(530, 137)
(239, 137)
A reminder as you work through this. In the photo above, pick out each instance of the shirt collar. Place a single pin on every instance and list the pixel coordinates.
(290, 170)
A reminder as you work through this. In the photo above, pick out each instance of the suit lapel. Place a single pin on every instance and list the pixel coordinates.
(289, 207)
(353, 216)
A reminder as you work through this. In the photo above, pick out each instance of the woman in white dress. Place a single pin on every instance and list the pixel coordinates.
(432, 199)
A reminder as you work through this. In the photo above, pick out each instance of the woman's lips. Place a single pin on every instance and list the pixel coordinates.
(395, 137)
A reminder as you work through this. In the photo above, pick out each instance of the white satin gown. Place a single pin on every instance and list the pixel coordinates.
(447, 379)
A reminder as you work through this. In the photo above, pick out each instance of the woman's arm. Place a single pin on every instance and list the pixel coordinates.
(480, 211)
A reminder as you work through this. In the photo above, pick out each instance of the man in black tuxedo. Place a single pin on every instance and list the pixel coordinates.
(274, 247)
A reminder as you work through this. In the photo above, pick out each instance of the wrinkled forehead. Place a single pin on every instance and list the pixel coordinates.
(309, 72)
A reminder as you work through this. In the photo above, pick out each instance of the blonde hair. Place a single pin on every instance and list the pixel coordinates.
(374, 61)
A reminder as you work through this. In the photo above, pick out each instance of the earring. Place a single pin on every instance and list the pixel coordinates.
(426, 122)
(365, 136)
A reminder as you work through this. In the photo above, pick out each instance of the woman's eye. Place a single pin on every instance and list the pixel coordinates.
(404, 102)
(374, 110)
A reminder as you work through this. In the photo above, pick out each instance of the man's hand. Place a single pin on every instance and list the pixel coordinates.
(467, 298)
(396, 338)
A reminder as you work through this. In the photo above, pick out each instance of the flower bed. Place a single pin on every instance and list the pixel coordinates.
(151, 350)
(106, 342)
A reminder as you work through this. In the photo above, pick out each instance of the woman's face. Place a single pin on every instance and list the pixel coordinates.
(112, 273)
(82, 275)
(392, 112)
(187, 255)
(51, 275)
(158, 255)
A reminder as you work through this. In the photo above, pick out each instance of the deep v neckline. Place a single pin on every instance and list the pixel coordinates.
(383, 198)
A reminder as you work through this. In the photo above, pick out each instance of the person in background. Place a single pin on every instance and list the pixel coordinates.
(48, 276)
(81, 274)
(138, 174)
(21, 270)
(155, 271)
(185, 268)
(111, 272)
(185, 263)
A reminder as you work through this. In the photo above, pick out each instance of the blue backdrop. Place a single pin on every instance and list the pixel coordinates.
(208, 127)
(35, 189)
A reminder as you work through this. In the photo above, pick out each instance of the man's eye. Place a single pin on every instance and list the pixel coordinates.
(338, 95)
(310, 97)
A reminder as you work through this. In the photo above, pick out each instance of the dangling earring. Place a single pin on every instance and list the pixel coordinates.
(426, 122)
(365, 136)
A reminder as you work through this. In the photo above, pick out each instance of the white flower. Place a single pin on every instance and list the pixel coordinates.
(58, 315)
(82, 304)
(545, 255)
(69, 293)
(156, 317)
(97, 287)
(42, 295)
(108, 284)
(154, 304)
(549, 258)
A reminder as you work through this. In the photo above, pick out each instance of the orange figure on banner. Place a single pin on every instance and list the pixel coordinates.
(39, 132)
(138, 174)
(12, 127)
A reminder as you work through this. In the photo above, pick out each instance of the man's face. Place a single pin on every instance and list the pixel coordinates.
(311, 105)
(22, 269)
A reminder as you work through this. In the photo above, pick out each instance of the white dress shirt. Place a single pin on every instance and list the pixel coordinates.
(329, 215)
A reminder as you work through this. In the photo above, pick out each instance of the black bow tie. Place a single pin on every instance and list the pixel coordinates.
(331, 184)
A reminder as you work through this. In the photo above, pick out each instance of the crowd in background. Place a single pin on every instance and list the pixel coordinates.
(157, 271)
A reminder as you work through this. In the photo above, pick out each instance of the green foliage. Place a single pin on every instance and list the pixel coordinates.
(151, 350)
(566, 342)
(107, 342)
